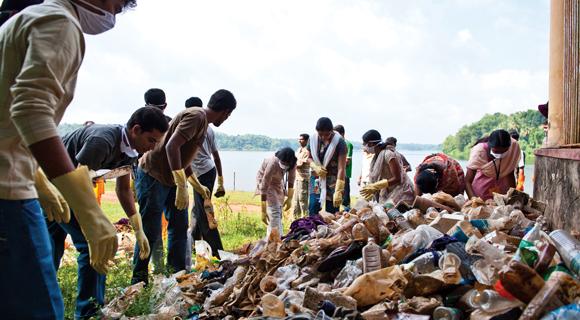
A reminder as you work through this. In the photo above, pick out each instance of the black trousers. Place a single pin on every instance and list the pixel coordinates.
(202, 230)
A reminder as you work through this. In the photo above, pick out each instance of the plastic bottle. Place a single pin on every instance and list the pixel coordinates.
(568, 248)
(446, 313)
(424, 263)
(490, 301)
(371, 256)
(493, 255)
(397, 216)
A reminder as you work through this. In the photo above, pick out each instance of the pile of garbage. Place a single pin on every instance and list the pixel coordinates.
(439, 257)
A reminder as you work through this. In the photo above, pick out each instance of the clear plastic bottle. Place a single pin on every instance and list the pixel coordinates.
(371, 256)
(568, 248)
(424, 263)
(490, 301)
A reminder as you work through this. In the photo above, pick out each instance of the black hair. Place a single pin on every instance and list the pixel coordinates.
(391, 141)
(514, 134)
(18, 5)
(499, 139)
(305, 136)
(287, 156)
(130, 4)
(149, 119)
(324, 124)
(339, 128)
(222, 100)
(193, 102)
(8, 8)
(427, 180)
(371, 135)
(155, 97)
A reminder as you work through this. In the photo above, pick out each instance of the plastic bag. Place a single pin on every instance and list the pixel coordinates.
(286, 275)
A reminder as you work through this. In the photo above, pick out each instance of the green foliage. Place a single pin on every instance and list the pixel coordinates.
(252, 142)
(528, 123)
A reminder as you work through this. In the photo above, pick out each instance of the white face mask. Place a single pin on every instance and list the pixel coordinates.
(497, 155)
(368, 149)
(94, 23)
(284, 166)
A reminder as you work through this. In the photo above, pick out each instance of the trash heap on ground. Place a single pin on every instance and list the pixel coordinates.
(439, 257)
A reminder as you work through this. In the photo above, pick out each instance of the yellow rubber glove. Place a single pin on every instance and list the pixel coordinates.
(318, 169)
(198, 187)
(220, 191)
(288, 202)
(101, 235)
(338, 193)
(181, 195)
(265, 218)
(142, 241)
(370, 189)
(51, 201)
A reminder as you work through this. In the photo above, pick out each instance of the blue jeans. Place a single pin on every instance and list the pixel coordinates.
(90, 283)
(314, 199)
(28, 285)
(153, 198)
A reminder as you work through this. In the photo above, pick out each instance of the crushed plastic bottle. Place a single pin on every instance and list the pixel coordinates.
(449, 263)
(396, 216)
(425, 263)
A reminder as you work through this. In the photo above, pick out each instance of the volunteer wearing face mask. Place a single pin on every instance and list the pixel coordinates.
(491, 165)
(328, 152)
(106, 147)
(388, 182)
(275, 174)
(43, 47)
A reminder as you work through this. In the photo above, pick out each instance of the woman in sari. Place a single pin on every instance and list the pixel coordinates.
(388, 182)
(491, 165)
(439, 172)
(275, 180)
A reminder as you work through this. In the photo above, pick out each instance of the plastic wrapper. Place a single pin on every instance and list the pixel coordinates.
(286, 275)
(374, 287)
(347, 275)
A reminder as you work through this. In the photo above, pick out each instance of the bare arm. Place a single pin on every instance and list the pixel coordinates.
(218, 163)
(469, 176)
(512, 180)
(125, 195)
(173, 150)
(342, 166)
(52, 157)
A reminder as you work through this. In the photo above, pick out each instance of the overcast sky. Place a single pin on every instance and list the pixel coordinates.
(417, 70)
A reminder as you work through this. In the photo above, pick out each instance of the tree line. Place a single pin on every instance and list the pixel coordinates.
(528, 123)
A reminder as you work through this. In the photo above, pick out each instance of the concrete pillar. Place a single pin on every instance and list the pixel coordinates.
(556, 93)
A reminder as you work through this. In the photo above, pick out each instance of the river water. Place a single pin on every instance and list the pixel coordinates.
(243, 165)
